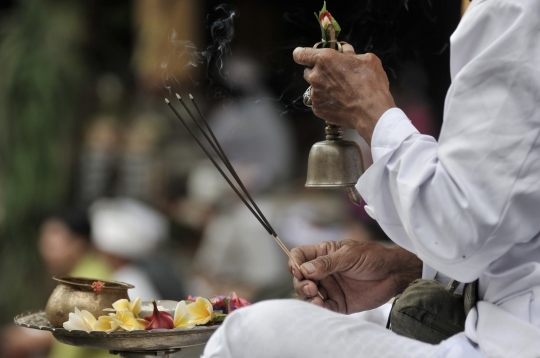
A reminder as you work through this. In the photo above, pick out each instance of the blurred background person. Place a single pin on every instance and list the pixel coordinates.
(126, 232)
(65, 247)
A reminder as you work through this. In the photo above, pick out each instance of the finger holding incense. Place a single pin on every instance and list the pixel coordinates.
(291, 258)
(223, 156)
(218, 167)
(282, 245)
(309, 289)
(298, 275)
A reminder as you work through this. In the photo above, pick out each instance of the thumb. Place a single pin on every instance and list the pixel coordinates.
(323, 266)
(348, 49)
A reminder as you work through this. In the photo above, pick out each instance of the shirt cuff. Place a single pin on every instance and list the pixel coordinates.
(390, 131)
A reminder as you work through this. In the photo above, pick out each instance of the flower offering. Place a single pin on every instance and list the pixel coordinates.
(124, 315)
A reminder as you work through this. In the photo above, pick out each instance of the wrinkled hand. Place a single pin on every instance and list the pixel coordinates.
(352, 276)
(347, 89)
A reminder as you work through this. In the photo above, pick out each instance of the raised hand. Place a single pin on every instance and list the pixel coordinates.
(352, 276)
(347, 89)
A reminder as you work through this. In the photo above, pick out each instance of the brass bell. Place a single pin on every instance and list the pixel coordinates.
(335, 163)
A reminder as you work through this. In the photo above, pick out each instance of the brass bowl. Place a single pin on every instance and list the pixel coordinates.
(71, 292)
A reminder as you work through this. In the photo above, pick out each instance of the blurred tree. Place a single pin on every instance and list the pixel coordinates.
(39, 96)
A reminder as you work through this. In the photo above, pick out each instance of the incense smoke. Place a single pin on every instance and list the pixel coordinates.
(391, 29)
(184, 54)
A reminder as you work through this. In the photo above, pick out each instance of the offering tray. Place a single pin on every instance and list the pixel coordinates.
(159, 342)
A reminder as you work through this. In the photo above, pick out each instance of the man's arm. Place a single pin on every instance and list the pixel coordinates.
(462, 203)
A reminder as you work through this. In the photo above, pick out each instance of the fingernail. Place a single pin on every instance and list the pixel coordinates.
(294, 272)
(309, 267)
(306, 290)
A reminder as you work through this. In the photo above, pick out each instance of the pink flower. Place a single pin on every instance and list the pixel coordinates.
(220, 304)
(224, 304)
(236, 302)
(98, 286)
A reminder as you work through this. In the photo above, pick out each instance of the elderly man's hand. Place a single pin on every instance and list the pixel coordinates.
(352, 276)
(347, 89)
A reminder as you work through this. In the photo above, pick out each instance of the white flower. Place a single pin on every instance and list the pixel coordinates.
(80, 321)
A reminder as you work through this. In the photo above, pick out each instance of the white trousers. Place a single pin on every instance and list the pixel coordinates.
(292, 328)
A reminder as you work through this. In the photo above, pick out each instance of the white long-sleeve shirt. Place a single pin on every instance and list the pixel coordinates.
(469, 204)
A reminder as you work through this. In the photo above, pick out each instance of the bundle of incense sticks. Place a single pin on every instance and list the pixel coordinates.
(214, 143)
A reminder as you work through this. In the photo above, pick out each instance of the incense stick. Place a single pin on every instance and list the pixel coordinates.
(221, 154)
(214, 143)
(217, 166)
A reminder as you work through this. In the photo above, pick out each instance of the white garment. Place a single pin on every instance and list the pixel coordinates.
(296, 329)
(467, 206)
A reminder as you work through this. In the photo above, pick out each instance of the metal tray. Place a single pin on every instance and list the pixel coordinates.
(159, 339)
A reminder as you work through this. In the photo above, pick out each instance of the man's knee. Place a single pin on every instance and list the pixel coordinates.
(264, 313)
(250, 326)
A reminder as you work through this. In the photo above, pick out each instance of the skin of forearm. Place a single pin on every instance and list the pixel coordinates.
(407, 267)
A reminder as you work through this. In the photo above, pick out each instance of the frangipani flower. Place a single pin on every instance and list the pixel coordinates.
(80, 321)
(182, 319)
(124, 319)
(106, 324)
(123, 304)
(201, 310)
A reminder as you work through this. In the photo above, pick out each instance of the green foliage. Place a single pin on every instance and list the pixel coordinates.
(39, 91)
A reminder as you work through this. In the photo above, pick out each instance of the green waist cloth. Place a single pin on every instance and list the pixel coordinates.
(429, 312)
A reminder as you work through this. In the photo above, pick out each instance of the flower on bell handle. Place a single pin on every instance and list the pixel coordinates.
(325, 19)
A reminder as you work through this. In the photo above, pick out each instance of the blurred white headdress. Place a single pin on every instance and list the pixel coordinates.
(126, 227)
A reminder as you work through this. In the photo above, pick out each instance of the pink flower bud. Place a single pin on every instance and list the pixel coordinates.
(326, 19)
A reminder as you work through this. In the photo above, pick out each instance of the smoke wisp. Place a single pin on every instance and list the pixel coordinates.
(184, 54)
